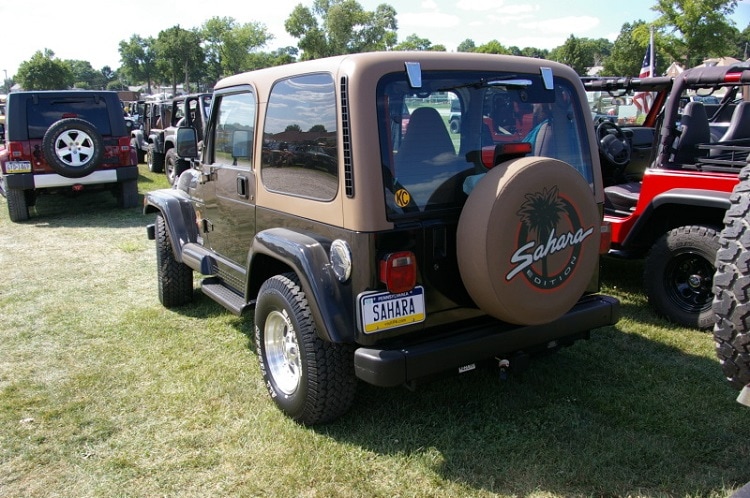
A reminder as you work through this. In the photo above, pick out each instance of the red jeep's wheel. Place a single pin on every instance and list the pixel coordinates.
(73, 147)
(731, 303)
(677, 275)
(528, 240)
(18, 207)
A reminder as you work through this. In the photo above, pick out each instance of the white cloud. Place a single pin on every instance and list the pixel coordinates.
(479, 6)
(571, 24)
(428, 20)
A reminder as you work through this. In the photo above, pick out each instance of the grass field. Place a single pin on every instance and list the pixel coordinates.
(104, 393)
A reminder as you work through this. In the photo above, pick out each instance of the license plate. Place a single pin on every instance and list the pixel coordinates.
(381, 311)
(18, 167)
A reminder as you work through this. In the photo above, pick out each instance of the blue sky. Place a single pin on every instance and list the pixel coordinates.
(92, 29)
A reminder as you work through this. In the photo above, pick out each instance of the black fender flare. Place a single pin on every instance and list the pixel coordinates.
(708, 199)
(330, 301)
(179, 214)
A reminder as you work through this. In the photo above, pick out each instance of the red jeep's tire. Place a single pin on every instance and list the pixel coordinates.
(731, 304)
(18, 207)
(677, 274)
(73, 147)
(528, 240)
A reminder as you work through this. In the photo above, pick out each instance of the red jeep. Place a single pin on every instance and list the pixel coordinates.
(668, 180)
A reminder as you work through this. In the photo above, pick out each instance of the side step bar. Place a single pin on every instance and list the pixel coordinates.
(214, 288)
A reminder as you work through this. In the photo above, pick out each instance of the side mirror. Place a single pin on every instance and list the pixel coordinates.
(186, 142)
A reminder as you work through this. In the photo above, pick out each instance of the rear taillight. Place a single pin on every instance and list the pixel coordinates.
(18, 149)
(398, 271)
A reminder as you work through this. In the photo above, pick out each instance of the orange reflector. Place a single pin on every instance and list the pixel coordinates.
(398, 271)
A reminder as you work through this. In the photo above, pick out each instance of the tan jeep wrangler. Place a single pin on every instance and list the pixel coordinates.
(373, 243)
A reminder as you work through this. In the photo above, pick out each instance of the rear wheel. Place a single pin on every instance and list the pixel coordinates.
(175, 278)
(677, 275)
(312, 381)
(731, 303)
(138, 151)
(18, 208)
(127, 194)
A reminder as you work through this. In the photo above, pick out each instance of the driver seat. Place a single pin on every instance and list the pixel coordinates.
(694, 130)
(622, 198)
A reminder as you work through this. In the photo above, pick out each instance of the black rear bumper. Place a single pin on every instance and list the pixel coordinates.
(393, 367)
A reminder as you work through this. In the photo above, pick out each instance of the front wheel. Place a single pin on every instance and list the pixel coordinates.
(312, 381)
(678, 274)
(173, 166)
(175, 278)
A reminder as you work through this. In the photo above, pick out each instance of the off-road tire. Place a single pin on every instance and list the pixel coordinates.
(18, 207)
(73, 147)
(312, 381)
(127, 194)
(731, 303)
(155, 160)
(678, 273)
(175, 279)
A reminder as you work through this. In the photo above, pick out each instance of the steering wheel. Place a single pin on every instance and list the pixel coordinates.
(613, 144)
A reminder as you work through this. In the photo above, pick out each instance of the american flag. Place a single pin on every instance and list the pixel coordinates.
(643, 100)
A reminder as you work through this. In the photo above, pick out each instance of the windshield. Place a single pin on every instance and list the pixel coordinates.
(435, 140)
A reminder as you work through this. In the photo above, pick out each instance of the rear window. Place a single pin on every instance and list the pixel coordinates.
(432, 155)
(43, 111)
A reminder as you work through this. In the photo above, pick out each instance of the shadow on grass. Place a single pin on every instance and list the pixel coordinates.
(616, 415)
(94, 208)
(622, 414)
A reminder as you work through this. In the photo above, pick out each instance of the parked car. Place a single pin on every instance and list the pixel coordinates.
(408, 252)
(668, 182)
(65, 141)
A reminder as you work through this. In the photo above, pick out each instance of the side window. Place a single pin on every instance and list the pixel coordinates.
(233, 134)
(300, 145)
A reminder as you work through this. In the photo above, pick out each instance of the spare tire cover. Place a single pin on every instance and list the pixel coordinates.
(528, 240)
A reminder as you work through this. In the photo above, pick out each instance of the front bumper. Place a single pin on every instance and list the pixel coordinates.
(393, 367)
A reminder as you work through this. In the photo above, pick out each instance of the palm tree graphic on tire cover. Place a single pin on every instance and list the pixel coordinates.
(541, 213)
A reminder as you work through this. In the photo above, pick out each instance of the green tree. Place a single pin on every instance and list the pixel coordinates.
(467, 45)
(742, 44)
(414, 43)
(44, 72)
(492, 47)
(572, 53)
(334, 27)
(258, 60)
(627, 53)
(229, 46)
(138, 58)
(86, 77)
(179, 55)
(693, 30)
